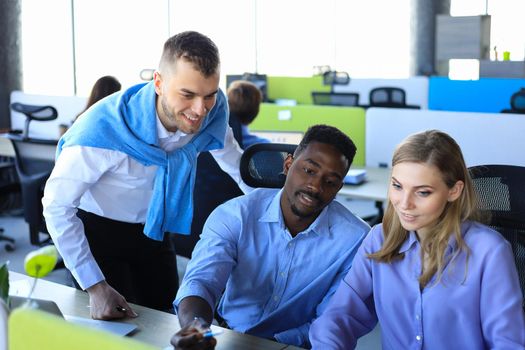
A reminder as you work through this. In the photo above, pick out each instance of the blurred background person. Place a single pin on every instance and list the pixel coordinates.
(103, 87)
(244, 100)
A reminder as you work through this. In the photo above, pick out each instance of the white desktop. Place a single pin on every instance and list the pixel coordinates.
(290, 137)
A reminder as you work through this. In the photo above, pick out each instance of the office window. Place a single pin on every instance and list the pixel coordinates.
(47, 54)
(295, 35)
(229, 23)
(368, 39)
(373, 38)
(119, 38)
(507, 25)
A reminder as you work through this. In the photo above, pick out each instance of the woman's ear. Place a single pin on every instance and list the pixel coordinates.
(287, 164)
(455, 191)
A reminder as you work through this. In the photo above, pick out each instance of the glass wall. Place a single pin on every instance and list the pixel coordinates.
(368, 39)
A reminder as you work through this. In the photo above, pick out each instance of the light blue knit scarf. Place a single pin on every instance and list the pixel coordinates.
(127, 122)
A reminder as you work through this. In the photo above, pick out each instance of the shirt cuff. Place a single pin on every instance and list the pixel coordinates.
(295, 336)
(193, 290)
(88, 274)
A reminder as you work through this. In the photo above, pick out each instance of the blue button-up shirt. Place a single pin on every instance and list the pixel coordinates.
(475, 308)
(274, 284)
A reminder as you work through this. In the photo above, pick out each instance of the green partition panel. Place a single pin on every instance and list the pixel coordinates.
(350, 120)
(295, 88)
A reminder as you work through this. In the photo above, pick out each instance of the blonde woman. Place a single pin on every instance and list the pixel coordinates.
(432, 276)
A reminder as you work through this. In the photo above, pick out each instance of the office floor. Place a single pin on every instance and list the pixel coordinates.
(15, 227)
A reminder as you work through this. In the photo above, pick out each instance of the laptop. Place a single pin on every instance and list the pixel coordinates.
(118, 328)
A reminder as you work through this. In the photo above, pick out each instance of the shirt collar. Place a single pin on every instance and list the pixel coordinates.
(321, 225)
(451, 246)
(408, 243)
(164, 133)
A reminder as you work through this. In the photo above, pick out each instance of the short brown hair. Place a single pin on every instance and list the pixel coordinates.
(194, 47)
(244, 99)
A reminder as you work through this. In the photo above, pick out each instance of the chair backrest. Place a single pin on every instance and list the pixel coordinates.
(262, 164)
(33, 112)
(387, 97)
(34, 161)
(335, 98)
(236, 125)
(501, 196)
(336, 78)
(212, 188)
(517, 101)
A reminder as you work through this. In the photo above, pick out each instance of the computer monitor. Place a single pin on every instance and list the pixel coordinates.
(259, 80)
(335, 98)
(290, 137)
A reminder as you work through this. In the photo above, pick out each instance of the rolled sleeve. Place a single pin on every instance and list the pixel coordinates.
(212, 260)
(194, 289)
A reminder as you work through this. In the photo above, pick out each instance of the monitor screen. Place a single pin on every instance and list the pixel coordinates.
(291, 137)
(258, 79)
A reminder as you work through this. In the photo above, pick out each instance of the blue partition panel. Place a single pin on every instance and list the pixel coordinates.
(489, 95)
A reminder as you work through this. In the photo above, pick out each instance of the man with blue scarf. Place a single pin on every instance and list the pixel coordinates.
(124, 176)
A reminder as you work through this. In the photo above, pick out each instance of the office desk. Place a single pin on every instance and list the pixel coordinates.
(6, 149)
(154, 327)
(374, 188)
(38, 149)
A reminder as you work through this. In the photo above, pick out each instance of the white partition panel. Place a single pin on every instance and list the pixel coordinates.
(416, 89)
(485, 138)
(67, 107)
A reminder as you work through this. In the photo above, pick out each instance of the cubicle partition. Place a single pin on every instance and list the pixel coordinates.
(295, 88)
(350, 120)
(485, 138)
(416, 89)
(488, 95)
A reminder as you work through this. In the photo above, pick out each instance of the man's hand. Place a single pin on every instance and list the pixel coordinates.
(106, 303)
(192, 337)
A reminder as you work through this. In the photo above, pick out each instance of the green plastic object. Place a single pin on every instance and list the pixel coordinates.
(40, 262)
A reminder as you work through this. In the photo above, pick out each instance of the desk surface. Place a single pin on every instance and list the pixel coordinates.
(374, 188)
(6, 149)
(154, 327)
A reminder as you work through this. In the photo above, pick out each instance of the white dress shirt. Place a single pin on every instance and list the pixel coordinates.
(111, 184)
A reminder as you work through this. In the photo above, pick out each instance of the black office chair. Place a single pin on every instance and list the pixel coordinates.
(262, 164)
(517, 103)
(9, 194)
(34, 161)
(33, 112)
(332, 78)
(501, 196)
(392, 97)
(212, 188)
(335, 98)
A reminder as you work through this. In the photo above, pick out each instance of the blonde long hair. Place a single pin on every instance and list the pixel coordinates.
(436, 148)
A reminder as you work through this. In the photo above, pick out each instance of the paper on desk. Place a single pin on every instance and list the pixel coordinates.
(118, 328)
(20, 288)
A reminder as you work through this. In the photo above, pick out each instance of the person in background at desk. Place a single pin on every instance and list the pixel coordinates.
(433, 277)
(103, 87)
(276, 256)
(244, 100)
(128, 166)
